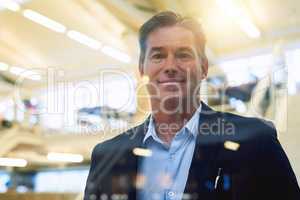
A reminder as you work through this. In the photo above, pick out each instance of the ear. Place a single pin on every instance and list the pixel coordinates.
(204, 67)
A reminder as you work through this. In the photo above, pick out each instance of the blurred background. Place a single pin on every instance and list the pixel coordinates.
(69, 79)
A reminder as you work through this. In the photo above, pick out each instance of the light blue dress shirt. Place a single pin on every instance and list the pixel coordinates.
(166, 171)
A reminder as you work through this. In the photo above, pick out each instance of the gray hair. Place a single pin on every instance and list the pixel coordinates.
(169, 18)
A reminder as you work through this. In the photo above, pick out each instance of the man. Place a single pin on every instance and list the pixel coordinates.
(186, 150)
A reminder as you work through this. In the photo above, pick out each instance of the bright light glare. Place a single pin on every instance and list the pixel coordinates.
(84, 39)
(13, 162)
(234, 146)
(248, 27)
(116, 54)
(19, 71)
(44, 21)
(3, 66)
(34, 77)
(10, 5)
(236, 71)
(65, 157)
(145, 79)
(16, 70)
(292, 62)
(245, 23)
(142, 152)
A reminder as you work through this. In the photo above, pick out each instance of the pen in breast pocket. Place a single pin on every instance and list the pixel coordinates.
(217, 178)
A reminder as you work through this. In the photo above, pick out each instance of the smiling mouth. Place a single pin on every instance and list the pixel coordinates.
(172, 81)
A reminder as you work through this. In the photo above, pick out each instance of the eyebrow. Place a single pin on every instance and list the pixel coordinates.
(156, 49)
(185, 49)
(153, 49)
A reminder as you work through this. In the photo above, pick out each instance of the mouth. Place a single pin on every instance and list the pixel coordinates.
(171, 81)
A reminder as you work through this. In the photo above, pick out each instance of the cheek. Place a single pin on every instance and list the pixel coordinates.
(151, 70)
(192, 71)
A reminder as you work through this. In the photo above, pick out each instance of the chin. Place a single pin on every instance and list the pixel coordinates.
(171, 87)
(172, 94)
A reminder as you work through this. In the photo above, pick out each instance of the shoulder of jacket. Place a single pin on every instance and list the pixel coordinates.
(248, 127)
(120, 140)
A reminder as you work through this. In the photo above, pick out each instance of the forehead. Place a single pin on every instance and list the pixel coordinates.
(173, 36)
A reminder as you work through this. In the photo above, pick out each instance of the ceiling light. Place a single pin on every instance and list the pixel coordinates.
(16, 70)
(236, 13)
(34, 77)
(44, 21)
(13, 162)
(26, 73)
(3, 66)
(65, 157)
(116, 54)
(248, 27)
(84, 39)
(10, 5)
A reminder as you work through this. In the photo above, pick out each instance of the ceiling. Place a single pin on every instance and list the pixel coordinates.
(115, 23)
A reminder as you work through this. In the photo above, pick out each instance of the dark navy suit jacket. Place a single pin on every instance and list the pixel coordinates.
(257, 169)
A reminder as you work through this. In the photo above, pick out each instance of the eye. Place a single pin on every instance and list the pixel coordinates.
(156, 57)
(184, 55)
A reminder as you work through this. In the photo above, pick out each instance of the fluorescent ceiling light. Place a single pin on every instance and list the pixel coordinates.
(16, 70)
(44, 21)
(65, 157)
(248, 27)
(116, 54)
(10, 5)
(13, 162)
(244, 21)
(34, 77)
(3, 66)
(84, 39)
(19, 71)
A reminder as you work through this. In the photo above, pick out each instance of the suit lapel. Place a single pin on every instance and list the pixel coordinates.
(204, 166)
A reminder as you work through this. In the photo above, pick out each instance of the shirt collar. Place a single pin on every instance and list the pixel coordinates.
(151, 131)
(191, 126)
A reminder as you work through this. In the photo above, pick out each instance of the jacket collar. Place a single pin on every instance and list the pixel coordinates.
(205, 138)
(192, 126)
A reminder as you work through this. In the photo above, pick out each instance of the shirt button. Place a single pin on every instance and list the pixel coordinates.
(171, 194)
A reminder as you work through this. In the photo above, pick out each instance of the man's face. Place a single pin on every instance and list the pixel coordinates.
(172, 63)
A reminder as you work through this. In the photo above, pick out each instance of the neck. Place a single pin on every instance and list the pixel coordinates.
(171, 117)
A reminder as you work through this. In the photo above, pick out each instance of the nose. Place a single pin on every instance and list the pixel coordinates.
(170, 67)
